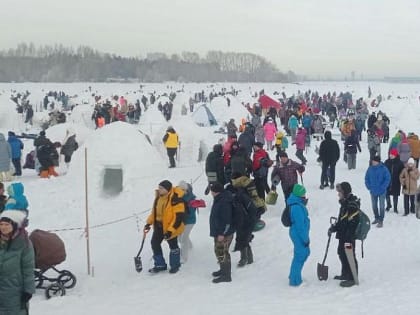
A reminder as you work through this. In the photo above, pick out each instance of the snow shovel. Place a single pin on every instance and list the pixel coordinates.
(322, 270)
(137, 259)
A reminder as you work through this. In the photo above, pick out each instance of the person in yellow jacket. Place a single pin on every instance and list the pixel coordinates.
(171, 141)
(167, 219)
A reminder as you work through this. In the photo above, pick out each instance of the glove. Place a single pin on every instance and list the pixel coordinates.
(25, 297)
(146, 228)
(167, 235)
(330, 231)
(307, 243)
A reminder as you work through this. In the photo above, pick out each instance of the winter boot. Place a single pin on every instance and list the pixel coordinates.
(347, 283)
(44, 174)
(244, 257)
(250, 256)
(174, 260)
(217, 273)
(51, 171)
(226, 273)
(160, 264)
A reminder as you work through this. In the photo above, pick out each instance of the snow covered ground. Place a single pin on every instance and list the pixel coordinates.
(389, 277)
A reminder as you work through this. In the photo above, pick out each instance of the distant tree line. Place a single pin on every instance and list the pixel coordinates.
(65, 64)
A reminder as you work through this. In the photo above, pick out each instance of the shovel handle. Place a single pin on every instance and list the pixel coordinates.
(142, 243)
(326, 250)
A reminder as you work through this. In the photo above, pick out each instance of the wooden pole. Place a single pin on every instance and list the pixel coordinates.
(87, 214)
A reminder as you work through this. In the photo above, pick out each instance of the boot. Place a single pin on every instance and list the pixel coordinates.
(174, 260)
(160, 264)
(51, 171)
(226, 273)
(250, 256)
(244, 257)
(217, 273)
(44, 174)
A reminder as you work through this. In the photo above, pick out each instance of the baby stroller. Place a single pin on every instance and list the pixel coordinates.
(49, 252)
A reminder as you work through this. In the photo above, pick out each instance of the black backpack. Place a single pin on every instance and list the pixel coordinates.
(285, 216)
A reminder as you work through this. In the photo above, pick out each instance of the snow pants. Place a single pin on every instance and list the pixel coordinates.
(300, 254)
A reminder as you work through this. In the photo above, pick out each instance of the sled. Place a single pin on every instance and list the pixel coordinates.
(259, 226)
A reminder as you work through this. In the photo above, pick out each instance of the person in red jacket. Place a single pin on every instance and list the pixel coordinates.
(260, 164)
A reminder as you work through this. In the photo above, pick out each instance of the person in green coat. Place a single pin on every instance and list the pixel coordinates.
(17, 265)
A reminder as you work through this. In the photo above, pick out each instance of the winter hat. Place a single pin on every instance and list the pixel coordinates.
(42, 133)
(283, 154)
(216, 187)
(344, 188)
(166, 184)
(376, 158)
(410, 161)
(299, 190)
(258, 144)
(11, 133)
(14, 217)
(393, 152)
(184, 185)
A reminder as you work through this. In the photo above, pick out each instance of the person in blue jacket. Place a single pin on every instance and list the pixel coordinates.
(377, 180)
(190, 219)
(16, 145)
(298, 232)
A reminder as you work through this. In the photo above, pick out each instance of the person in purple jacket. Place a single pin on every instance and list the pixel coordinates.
(286, 172)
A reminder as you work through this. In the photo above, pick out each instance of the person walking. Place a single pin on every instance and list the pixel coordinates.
(286, 172)
(408, 178)
(5, 159)
(69, 146)
(167, 219)
(298, 232)
(16, 146)
(190, 218)
(395, 167)
(351, 146)
(261, 162)
(222, 230)
(377, 179)
(300, 143)
(329, 154)
(171, 141)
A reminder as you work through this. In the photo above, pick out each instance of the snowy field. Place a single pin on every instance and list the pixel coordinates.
(389, 277)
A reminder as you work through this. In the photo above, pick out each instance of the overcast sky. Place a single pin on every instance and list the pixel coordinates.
(326, 37)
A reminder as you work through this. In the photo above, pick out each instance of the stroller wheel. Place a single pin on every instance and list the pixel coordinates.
(55, 289)
(67, 279)
(38, 279)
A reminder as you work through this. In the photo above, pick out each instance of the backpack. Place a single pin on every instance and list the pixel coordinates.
(285, 216)
(362, 228)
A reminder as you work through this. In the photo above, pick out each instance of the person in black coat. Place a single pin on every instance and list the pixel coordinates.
(371, 120)
(245, 224)
(214, 166)
(246, 140)
(221, 229)
(329, 154)
(395, 167)
(238, 163)
(345, 228)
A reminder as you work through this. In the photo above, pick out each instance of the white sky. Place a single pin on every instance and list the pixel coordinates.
(326, 37)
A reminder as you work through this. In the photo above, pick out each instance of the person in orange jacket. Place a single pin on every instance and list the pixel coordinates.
(171, 141)
(167, 219)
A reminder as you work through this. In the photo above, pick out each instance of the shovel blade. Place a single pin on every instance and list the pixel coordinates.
(322, 272)
(138, 265)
